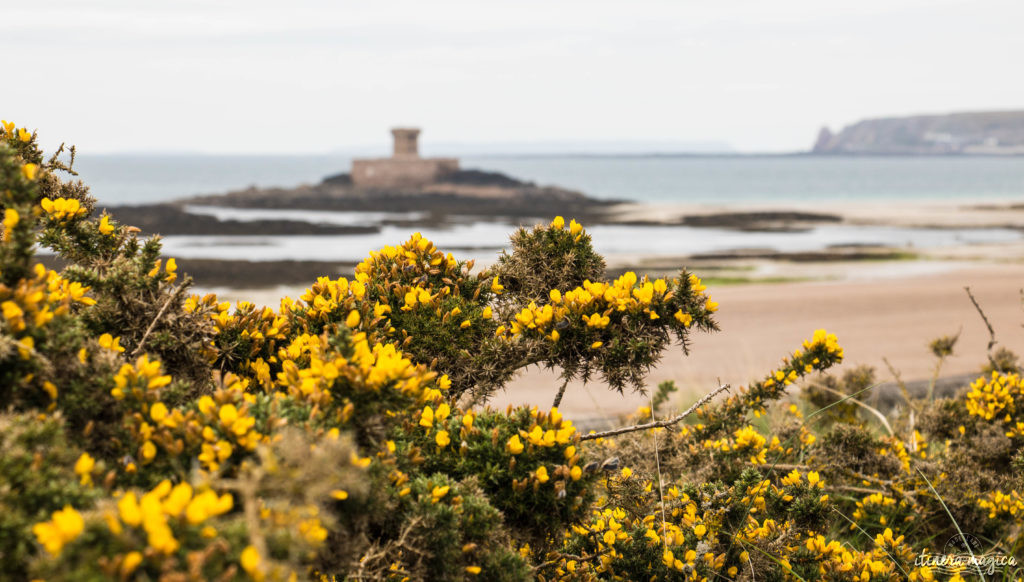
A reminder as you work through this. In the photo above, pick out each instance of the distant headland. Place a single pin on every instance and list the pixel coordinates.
(977, 133)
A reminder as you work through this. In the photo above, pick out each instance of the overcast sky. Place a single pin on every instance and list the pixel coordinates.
(293, 77)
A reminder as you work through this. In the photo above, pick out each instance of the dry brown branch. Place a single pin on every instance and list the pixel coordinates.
(177, 293)
(561, 557)
(561, 392)
(660, 423)
(780, 467)
(378, 553)
(991, 332)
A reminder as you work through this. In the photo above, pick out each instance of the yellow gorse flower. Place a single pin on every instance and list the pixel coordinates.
(83, 468)
(64, 527)
(439, 493)
(29, 171)
(250, 561)
(63, 208)
(105, 227)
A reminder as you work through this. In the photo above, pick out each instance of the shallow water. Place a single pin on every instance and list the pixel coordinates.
(484, 240)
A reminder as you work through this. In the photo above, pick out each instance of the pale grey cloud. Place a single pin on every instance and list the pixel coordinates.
(262, 76)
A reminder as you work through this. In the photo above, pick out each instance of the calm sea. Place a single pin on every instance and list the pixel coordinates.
(728, 180)
(129, 179)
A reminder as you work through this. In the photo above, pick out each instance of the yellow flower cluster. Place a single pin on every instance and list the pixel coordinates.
(327, 297)
(897, 448)
(614, 537)
(33, 303)
(995, 396)
(63, 208)
(163, 507)
(756, 531)
(304, 519)
(84, 467)
(225, 423)
(416, 252)
(594, 303)
(11, 220)
(575, 228)
(139, 379)
(880, 508)
(64, 526)
(746, 441)
(998, 503)
(836, 561)
(548, 431)
(11, 132)
(369, 367)
(170, 270)
(39, 299)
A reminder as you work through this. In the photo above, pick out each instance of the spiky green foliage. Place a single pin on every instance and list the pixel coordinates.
(151, 435)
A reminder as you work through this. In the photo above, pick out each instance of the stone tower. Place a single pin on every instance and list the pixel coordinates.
(405, 168)
(406, 144)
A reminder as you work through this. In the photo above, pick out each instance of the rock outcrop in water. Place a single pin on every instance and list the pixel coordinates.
(981, 133)
(461, 192)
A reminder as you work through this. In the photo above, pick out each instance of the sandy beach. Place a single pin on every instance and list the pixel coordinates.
(893, 318)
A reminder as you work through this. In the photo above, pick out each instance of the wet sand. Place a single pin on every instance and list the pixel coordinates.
(919, 213)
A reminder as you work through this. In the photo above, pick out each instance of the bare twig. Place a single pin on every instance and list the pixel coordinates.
(172, 298)
(991, 332)
(660, 423)
(780, 467)
(561, 392)
(899, 382)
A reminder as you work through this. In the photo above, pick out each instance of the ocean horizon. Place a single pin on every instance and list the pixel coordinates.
(720, 179)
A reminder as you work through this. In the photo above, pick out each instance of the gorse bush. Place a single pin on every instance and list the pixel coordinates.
(150, 434)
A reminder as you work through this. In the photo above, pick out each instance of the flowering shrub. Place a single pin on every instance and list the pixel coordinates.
(151, 434)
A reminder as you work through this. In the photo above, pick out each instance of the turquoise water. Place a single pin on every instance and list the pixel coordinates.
(123, 179)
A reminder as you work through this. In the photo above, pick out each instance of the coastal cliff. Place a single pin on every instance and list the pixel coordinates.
(980, 133)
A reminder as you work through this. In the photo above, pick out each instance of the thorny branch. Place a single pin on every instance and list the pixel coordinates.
(177, 293)
(561, 392)
(661, 423)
